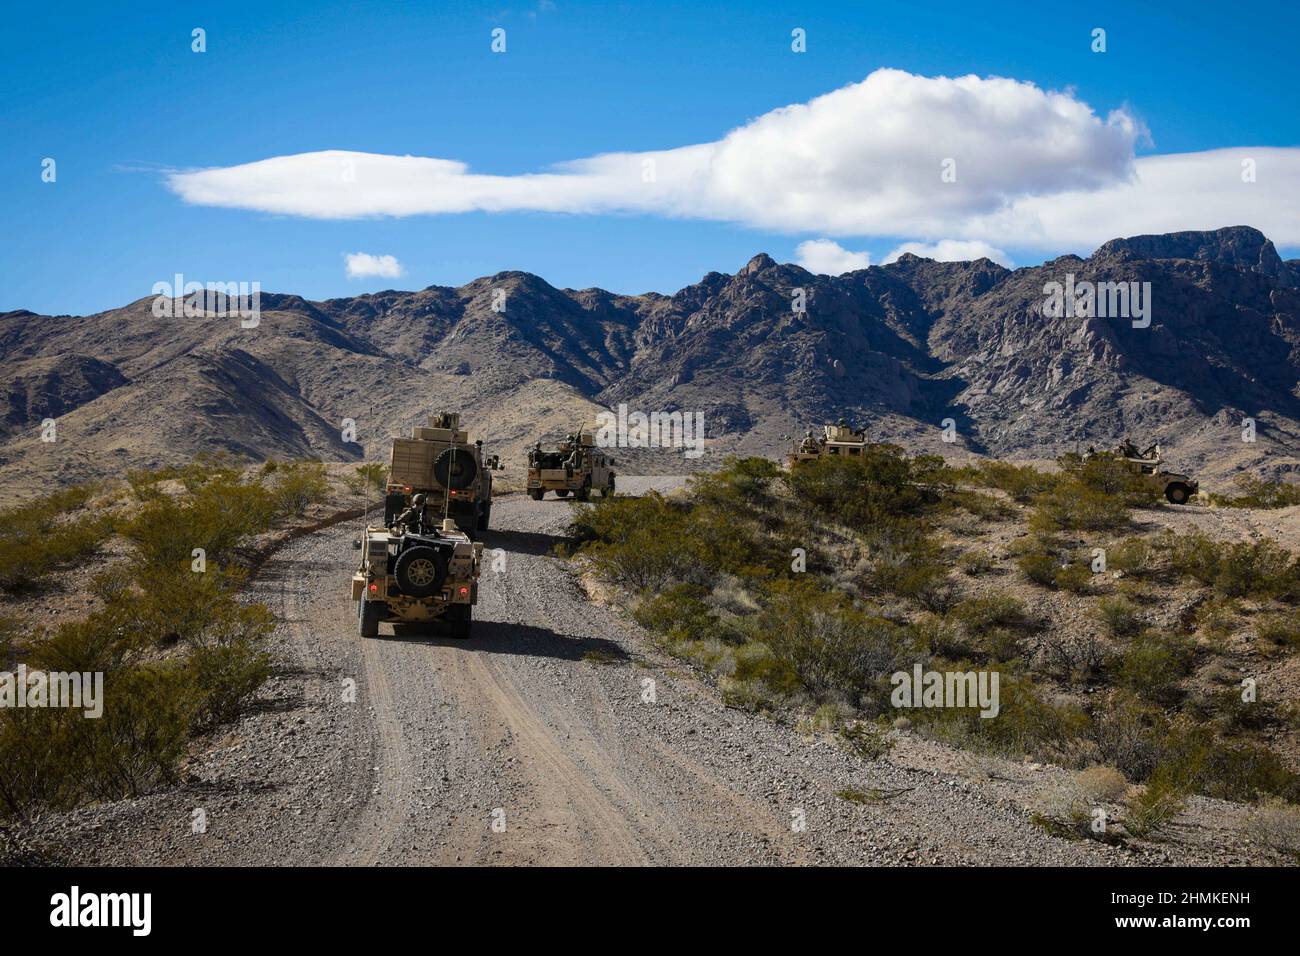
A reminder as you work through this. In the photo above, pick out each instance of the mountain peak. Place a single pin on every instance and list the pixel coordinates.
(1241, 246)
(759, 263)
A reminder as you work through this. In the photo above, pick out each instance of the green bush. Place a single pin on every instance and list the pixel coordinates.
(1256, 569)
(862, 492)
(1075, 506)
(1132, 556)
(217, 517)
(1120, 616)
(298, 485)
(1022, 482)
(1257, 493)
(679, 613)
(40, 536)
(1280, 631)
(834, 651)
(226, 677)
(1154, 664)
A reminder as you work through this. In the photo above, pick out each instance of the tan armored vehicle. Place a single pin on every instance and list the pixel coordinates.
(439, 461)
(838, 439)
(417, 571)
(1177, 488)
(575, 467)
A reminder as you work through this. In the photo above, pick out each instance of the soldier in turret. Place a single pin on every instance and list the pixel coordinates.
(413, 519)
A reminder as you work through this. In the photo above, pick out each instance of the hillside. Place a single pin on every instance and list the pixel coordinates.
(901, 346)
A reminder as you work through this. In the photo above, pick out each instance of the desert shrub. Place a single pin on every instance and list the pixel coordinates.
(1127, 734)
(834, 651)
(653, 542)
(217, 517)
(57, 758)
(1257, 493)
(882, 483)
(297, 486)
(1276, 823)
(1120, 616)
(976, 563)
(941, 638)
(1072, 657)
(1132, 556)
(1259, 569)
(912, 566)
(1026, 723)
(982, 614)
(42, 535)
(1047, 570)
(1101, 784)
(1278, 631)
(679, 613)
(226, 677)
(740, 483)
(982, 506)
(1159, 802)
(1075, 506)
(1154, 664)
(1039, 568)
(1074, 577)
(1194, 760)
(1022, 482)
(372, 476)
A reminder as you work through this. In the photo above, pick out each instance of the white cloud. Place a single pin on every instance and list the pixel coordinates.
(1033, 168)
(361, 264)
(952, 250)
(827, 257)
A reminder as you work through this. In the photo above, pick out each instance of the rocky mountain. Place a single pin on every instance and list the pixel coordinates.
(1210, 338)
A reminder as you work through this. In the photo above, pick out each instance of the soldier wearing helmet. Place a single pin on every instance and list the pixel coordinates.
(412, 519)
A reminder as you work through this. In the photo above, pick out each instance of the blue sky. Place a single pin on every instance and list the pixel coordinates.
(118, 99)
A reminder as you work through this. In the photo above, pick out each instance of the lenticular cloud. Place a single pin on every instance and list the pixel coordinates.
(987, 159)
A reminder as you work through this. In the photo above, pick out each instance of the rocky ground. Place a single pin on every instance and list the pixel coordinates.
(558, 734)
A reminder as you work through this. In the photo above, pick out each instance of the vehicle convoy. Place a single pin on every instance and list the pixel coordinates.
(417, 570)
(453, 474)
(1177, 488)
(576, 466)
(839, 439)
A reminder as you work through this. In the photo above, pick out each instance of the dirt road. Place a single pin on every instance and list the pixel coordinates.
(557, 735)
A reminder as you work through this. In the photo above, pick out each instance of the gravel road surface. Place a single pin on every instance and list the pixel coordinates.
(558, 734)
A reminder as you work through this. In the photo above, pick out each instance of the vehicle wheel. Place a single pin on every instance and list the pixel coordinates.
(584, 493)
(368, 615)
(537, 494)
(562, 492)
(455, 468)
(459, 620)
(1178, 493)
(420, 571)
(484, 517)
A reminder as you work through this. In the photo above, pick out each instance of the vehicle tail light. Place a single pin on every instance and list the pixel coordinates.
(374, 588)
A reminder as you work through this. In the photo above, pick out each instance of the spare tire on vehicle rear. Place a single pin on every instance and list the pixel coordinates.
(456, 468)
(420, 571)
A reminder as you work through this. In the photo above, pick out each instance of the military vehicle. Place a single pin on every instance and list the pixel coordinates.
(838, 439)
(417, 570)
(440, 462)
(1177, 488)
(576, 466)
